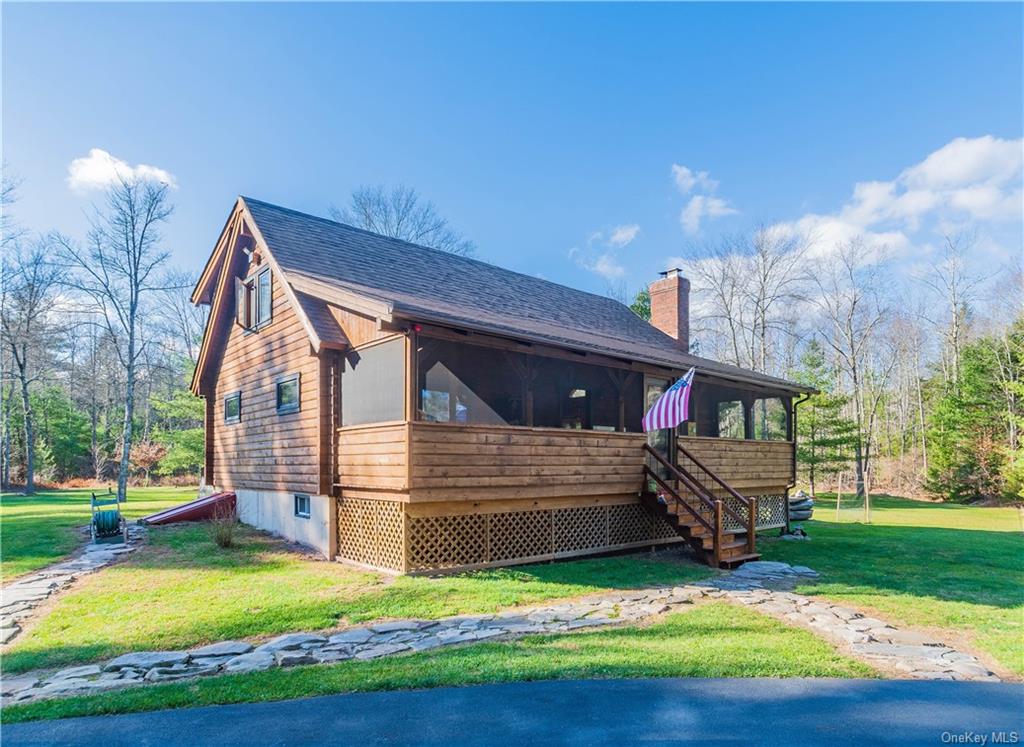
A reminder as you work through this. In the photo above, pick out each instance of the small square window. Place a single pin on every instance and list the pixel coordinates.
(288, 394)
(233, 408)
(302, 506)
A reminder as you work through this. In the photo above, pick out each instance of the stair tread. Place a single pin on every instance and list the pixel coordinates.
(739, 559)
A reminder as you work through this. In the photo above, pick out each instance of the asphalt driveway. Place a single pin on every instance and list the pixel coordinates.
(593, 712)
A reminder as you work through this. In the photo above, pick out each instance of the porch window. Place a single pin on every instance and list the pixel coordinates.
(770, 419)
(288, 394)
(233, 408)
(731, 420)
(373, 384)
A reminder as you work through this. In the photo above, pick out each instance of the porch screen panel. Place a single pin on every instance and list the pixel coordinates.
(731, 420)
(468, 384)
(373, 384)
(770, 419)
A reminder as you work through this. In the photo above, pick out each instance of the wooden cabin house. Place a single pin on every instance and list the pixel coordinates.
(407, 409)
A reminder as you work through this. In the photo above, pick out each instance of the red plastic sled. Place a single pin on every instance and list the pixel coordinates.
(197, 510)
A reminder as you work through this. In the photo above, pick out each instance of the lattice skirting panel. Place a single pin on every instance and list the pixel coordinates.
(474, 540)
(771, 511)
(372, 533)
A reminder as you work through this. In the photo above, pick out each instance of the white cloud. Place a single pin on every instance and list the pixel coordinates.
(607, 266)
(966, 180)
(600, 254)
(99, 170)
(624, 235)
(686, 179)
(964, 161)
(703, 206)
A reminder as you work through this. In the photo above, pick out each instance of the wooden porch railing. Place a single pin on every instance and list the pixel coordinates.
(715, 506)
(683, 455)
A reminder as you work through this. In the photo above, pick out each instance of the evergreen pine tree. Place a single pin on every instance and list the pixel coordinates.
(824, 436)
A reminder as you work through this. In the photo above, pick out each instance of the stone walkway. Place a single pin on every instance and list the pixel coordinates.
(19, 600)
(873, 640)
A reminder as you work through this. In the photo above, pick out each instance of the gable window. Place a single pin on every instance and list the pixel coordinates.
(264, 300)
(233, 408)
(288, 394)
(302, 505)
(254, 300)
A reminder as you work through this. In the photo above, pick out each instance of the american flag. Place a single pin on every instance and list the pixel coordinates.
(672, 407)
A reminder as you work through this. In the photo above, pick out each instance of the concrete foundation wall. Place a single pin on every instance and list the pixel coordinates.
(274, 512)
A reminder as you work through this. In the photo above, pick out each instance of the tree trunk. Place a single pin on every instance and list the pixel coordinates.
(858, 445)
(129, 412)
(5, 464)
(30, 434)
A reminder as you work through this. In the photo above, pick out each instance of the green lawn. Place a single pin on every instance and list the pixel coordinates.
(182, 590)
(40, 529)
(711, 640)
(959, 569)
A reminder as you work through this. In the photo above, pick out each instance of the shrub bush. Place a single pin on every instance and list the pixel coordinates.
(223, 525)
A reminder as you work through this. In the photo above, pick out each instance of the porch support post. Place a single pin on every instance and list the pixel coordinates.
(717, 539)
(748, 417)
(752, 524)
(526, 370)
(621, 381)
(411, 353)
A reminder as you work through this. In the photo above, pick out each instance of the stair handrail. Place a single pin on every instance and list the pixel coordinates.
(694, 486)
(651, 474)
(722, 483)
(750, 503)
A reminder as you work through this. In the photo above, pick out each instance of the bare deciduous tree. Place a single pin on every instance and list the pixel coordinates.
(850, 300)
(401, 213)
(182, 320)
(115, 272)
(30, 284)
(747, 288)
(957, 287)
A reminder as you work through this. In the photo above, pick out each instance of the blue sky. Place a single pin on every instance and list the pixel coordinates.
(546, 133)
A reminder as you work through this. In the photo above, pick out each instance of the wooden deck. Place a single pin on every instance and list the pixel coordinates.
(421, 497)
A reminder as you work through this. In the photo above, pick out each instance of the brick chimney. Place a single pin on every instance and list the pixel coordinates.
(670, 306)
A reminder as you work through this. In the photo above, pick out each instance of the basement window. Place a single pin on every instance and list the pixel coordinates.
(302, 505)
(233, 408)
(288, 394)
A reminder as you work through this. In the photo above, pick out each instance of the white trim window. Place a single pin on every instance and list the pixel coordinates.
(287, 394)
(302, 505)
(254, 300)
(233, 408)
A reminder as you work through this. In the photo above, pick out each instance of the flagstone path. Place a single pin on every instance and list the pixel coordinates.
(19, 599)
(875, 641)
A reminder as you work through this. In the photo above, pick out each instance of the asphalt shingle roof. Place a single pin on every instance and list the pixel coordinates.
(429, 285)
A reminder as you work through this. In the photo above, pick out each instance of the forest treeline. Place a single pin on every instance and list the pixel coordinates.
(920, 375)
(920, 370)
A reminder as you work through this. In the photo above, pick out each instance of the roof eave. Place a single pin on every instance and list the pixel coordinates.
(420, 316)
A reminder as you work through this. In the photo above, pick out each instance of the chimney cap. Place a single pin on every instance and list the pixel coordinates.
(671, 272)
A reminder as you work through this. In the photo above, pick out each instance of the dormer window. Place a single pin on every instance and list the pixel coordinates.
(254, 300)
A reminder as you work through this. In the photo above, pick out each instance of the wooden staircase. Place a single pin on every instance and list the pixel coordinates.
(690, 506)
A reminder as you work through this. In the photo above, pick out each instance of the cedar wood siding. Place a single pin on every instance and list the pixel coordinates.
(751, 467)
(267, 451)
